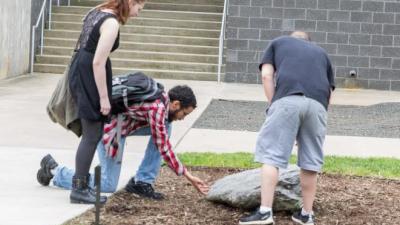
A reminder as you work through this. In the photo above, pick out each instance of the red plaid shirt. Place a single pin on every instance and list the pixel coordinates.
(153, 114)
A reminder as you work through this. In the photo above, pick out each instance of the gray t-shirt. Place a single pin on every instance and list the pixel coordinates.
(301, 67)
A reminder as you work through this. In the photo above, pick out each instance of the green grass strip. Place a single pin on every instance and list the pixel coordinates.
(373, 166)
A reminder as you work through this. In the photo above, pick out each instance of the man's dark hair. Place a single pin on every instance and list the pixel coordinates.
(184, 94)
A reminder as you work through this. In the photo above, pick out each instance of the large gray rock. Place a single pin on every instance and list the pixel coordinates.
(243, 190)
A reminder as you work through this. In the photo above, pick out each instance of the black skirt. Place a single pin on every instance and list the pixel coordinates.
(83, 86)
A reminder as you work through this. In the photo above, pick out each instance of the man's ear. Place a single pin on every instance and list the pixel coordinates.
(175, 105)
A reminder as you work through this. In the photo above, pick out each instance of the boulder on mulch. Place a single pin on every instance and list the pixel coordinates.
(243, 190)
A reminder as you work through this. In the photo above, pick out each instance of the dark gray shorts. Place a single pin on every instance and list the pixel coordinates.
(288, 119)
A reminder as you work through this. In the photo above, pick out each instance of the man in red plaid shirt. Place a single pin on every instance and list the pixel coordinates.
(146, 118)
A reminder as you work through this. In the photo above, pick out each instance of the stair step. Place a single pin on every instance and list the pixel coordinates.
(145, 55)
(128, 63)
(156, 47)
(142, 21)
(145, 30)
(143, 38)
(167, 6)
(205, 16)
(193, 2)
(161, 74)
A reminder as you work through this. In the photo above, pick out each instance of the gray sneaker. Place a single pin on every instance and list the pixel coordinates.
(257, 218)
(300, 219)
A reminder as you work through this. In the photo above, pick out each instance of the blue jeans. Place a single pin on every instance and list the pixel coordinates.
(111, 169)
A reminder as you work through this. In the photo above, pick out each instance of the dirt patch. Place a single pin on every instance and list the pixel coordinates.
(340, 200)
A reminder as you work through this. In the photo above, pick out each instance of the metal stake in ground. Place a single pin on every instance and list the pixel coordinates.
(97, 179)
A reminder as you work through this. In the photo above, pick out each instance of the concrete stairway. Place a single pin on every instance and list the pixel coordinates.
(176, 39)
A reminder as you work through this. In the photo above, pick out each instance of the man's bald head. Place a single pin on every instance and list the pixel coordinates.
(301, 35)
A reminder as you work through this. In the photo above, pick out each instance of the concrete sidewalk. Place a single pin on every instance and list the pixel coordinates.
(29, 135)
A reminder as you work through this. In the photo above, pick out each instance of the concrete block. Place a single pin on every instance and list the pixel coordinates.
(316, 14)
(329, 48)
(338, 60)
(262, 23)
(236, 67)
(357, 61)
(380, 62)
(389, 74)
(308, 4)
(289, 3)
(262, 3)
(319, 37)
(258, 45)
(242, 22)
(327, 26)
(396, 64)
(348, 49)
(239, 2)
(370, 50)
(233, 10)
(249, 33)
(395, 85)
(339, 16)
(389, 29)
(361, 17)
(230, 77)
(368, 73)
(249, 11)
(373, 6)
(383, 40)
(379, 84)
(305, 25)
(272, 12)
(247, 56)
(270, 34)
(392, 7)
(391, 52)
(349, 27)
(248, 78)
(340, 38)
(237, 44)
(328, 4)
(288, 25)
(360, 39)
(289, 13)
(368, 28)
(231, 55)
(350, 5)
(232, 33)
(277, 3)
(276, 24)
(383, 17)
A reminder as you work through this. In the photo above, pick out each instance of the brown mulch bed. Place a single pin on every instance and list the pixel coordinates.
(340, 200)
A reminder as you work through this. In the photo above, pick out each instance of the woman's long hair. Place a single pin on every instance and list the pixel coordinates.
(120, 8)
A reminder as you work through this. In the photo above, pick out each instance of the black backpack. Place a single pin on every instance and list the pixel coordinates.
(133, 88)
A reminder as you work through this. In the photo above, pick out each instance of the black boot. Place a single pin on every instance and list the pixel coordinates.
(81, 193)
(93, 190)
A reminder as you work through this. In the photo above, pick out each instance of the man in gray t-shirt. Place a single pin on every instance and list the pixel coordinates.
(298, 80)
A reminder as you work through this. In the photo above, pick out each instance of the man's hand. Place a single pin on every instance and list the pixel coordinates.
(200, 185)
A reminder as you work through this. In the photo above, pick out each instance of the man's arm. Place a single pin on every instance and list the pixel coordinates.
(160, 136)
(267, 76)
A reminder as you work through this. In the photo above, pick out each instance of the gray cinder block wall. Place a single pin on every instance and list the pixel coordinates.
(358, 35)
(15, 20)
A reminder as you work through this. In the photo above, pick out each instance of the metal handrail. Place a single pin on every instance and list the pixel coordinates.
(221, 40)
(34, 27)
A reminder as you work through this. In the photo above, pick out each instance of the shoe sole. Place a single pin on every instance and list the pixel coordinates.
(300, 222)
(268, 221)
